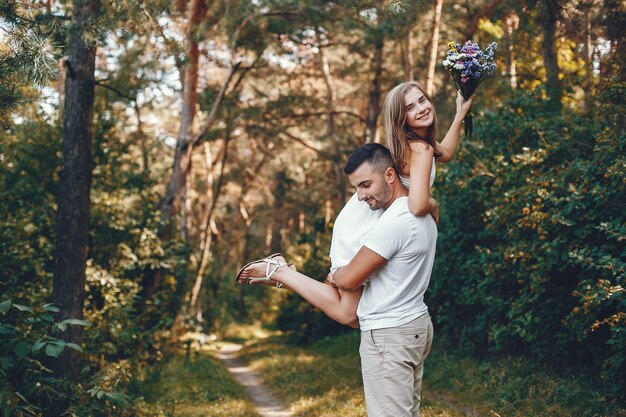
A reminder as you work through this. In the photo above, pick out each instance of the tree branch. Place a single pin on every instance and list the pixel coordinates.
(115, 90)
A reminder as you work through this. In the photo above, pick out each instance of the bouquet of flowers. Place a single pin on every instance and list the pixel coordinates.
(469, 66)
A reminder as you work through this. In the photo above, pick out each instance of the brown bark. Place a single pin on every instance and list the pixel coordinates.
(434, 45)
(406, 55)
(280, 188)
(182, 157)
(340, 193)
(373, 105)
(75, 183)
(553, 84)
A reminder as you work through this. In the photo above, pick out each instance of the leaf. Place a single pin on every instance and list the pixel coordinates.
(23, 308)
(47, 317)
(51, 308)
(20, 396)
(22, 349)
(55, 348)
(38, 345)
(5, 306)
(100, 394)
(76, 322)
(116, 396)
(74, 346)
(5, 329)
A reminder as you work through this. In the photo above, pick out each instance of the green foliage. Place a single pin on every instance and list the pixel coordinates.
(531, 255)
(28, 53)
(27, 386)
(27, 188)
(304, 322)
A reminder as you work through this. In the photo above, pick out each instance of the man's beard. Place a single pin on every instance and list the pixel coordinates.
(381, 202)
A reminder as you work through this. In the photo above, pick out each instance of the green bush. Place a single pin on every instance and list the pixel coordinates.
(27, 386)
(531, 247)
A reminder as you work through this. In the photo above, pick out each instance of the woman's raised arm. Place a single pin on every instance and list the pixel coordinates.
(450, 142)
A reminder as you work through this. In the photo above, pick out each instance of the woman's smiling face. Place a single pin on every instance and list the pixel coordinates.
(418, 111)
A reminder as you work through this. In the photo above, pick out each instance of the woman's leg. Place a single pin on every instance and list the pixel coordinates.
(338, 305)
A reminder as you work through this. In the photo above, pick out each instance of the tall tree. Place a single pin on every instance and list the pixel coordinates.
(182, 157)
(373, 104)
(549, 21)
(330, 124)
(588, 57)
(75, 179)
(434, 43)
(511, 23)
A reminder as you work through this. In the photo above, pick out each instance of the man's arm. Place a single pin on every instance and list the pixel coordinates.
(353, 275)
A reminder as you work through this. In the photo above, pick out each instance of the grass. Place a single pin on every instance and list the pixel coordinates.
(323, 380)
(194, 386)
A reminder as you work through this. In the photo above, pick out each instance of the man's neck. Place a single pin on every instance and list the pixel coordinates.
(398, 190)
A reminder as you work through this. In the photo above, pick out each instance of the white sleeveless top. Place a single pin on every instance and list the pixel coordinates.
(353, 224)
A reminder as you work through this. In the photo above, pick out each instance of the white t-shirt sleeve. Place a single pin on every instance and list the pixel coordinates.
(390, 234)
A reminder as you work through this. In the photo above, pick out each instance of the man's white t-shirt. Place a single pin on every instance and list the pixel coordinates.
(394, 294)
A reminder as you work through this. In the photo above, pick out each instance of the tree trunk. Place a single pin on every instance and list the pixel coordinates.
(280, 188)
(511, 23)
(75, 183)
(182, 158)
(553, 84)
(373, 104)
(434, 44)
(588, 57)
(340, 193)
(406, 55)
(206, 244)
(245, 256)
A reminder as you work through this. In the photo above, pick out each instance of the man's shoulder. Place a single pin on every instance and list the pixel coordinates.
(397, 210)
(395, 217)
(399, 219)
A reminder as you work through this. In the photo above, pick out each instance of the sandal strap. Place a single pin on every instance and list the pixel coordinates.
(271, 267)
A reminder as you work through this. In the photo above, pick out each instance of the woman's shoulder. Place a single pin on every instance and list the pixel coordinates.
(420, 146)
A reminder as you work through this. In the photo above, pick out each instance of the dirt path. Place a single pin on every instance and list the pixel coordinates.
(267, 404)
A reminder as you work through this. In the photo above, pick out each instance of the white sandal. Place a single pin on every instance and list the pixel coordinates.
(272, 267)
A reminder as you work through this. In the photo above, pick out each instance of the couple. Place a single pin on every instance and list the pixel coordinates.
(382, 251)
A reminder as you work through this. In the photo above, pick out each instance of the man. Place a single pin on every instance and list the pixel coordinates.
(394, 263)
(387, 277)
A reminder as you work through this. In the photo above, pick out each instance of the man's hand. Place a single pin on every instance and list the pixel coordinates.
(434, 209)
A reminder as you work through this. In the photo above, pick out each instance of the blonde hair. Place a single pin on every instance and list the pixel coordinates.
(397, 131)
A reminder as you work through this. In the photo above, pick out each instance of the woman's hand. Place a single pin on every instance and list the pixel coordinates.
(462, 105)
(331, 280)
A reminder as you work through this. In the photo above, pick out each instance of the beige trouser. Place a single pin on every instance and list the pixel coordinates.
(392, 363)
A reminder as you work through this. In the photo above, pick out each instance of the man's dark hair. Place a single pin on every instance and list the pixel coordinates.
(375, 154)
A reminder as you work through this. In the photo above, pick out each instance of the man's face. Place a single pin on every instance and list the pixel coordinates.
(371, 186)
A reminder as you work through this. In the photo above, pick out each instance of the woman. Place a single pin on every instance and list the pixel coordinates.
(410, 127)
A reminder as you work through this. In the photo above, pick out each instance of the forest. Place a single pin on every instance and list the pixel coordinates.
(150, 148)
